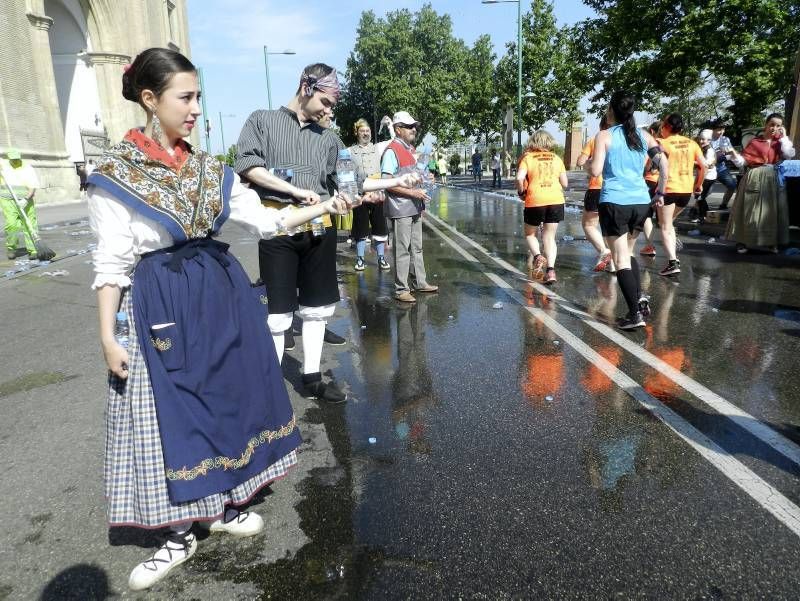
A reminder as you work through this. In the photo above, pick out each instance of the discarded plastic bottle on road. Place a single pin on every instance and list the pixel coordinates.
(122, 330)
(346, 176)
(568, 238)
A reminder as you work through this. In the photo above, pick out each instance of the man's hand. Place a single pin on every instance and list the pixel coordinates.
(698, 190)
(658, 199)
(336, 205)
(116, 359)
(409, 180)
(306, 197)
(418, 194)
(373, 197)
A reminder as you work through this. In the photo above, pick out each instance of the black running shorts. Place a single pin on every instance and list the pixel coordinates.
(299, 270)
(679, 200)
(618, 220)
(591, 200)
(547, 214)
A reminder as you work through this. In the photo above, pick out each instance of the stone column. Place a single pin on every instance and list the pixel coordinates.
(119, 115)
(573, 145)
(43, 72)
(56, 174)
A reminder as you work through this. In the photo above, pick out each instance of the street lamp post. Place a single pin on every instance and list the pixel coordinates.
(266, 70)
(206, 122)
(222, 132)
(519, 66)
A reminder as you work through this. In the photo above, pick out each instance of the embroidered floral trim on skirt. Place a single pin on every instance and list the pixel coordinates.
(135, 482)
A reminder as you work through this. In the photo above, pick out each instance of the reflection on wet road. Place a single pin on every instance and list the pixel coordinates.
(527, 452)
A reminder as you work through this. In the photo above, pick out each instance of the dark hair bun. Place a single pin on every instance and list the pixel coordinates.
(128, 92)
(152, 70)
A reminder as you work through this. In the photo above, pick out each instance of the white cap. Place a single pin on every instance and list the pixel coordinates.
(404, 118)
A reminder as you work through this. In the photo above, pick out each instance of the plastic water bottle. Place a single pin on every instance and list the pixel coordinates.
(422, 168)
(122, 330)
(346, 176)
(285, 174)
(317, 227)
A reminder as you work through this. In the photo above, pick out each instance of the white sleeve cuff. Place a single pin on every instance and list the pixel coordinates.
(787, 148)
(110, 279)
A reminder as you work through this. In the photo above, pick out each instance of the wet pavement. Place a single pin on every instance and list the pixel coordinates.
(501, 440)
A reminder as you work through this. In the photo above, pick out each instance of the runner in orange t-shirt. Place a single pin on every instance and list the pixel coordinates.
(651, 176)
(590, 219)
(541, 180)
(683, 154)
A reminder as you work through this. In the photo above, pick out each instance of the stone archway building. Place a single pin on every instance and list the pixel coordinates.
(60, 77)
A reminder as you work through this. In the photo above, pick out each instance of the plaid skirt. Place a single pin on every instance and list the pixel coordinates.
(135, 480)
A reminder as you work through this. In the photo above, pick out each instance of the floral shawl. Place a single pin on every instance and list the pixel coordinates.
(187, 193)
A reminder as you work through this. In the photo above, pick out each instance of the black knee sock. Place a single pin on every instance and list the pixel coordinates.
(638, 276)
(627, 282)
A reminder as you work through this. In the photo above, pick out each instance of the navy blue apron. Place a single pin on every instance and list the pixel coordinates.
(223, 412)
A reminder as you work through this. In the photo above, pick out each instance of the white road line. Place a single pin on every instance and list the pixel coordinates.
(763, 432)
(759, 490)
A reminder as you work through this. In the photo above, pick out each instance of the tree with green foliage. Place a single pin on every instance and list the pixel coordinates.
(748, 46)
(229, 158)
(553, 80)
(404, 61)
(479, 113)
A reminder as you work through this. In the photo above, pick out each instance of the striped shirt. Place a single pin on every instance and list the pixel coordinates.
(277, 139)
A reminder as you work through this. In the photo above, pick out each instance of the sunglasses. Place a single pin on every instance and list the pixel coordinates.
(404, 126)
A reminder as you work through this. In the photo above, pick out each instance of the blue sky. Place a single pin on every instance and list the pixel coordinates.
(227, 40)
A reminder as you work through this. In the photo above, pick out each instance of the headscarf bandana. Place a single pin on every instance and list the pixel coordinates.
(327, 85)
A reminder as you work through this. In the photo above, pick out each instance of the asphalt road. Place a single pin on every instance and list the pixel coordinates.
(501, 440)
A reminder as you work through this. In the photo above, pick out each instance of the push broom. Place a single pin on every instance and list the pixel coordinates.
(43, 252)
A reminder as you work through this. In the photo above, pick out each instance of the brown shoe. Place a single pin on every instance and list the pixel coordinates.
(405, 297)
(428, 288)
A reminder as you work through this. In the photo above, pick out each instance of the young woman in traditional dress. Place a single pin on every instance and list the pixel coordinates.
(760, 215)
(198, 418)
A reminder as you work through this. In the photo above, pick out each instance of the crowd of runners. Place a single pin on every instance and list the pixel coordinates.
(641, 175)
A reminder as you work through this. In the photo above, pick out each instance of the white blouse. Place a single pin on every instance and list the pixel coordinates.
(123, 235)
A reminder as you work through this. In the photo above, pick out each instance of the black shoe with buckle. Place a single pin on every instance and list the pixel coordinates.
(315, 388)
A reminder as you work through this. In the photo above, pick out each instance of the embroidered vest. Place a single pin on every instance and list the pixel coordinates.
(192, 202)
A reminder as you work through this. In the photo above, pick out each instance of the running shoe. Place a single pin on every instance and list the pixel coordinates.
(383, 264)
(644, 306)
(741, 249)
(672, 268)
(648, 251)
(539, 263)
(602, 261)
(631, 321)
(550, 276)
(360, 265)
